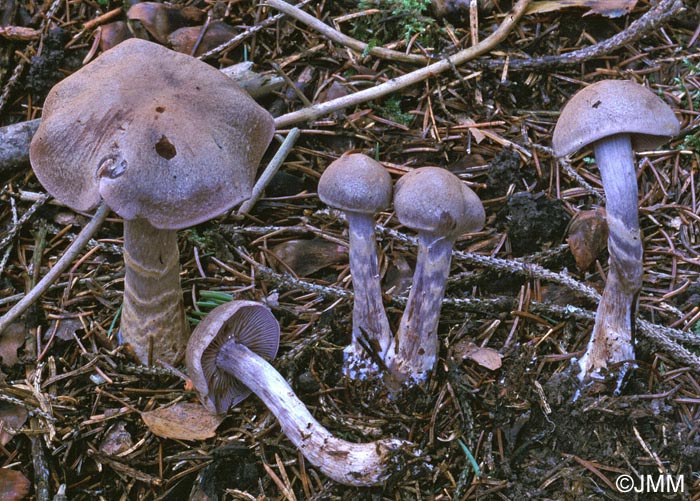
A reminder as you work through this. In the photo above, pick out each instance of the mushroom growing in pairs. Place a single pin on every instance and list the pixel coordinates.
(440, 207)
(361, 187)
(616, 117)
(226, 361)
(168, 142)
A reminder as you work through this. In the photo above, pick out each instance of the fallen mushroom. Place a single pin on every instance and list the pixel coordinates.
(225, 360)
(436, 204)
(616, 117)
(168, 142)
(361, 187)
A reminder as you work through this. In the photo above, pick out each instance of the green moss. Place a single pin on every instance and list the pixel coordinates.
(397, 19)
(391, 110)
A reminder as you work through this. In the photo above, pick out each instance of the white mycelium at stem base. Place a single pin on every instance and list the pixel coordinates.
(416, 339)
(369, 320)
(440, 207)
(616, 117)
(225, 364)
(360, 187)
(612, 338)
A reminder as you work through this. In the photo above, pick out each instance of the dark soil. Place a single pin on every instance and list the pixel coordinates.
(533, 222)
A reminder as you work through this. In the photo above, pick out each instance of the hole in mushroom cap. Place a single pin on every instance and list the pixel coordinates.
(165, 148)
(160, 109)
(111, 167)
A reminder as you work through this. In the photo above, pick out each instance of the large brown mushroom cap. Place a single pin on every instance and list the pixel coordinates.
(434, 200)
(159, 135)
(355, 183)
(612, 107)
(248, 323)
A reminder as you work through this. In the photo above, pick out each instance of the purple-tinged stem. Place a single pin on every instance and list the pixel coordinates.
(153, 315)
(414, 351)
(345, 462)
(369, 321)
(612, 338)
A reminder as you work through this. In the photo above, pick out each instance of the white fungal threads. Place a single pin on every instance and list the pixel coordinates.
(615, 116)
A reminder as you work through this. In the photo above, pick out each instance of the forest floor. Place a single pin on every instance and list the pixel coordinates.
(517, 311)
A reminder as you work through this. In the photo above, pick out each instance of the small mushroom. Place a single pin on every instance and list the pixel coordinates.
(225, 360)
(361, 187)
(616, 117)
(168, 142)
(436, 204)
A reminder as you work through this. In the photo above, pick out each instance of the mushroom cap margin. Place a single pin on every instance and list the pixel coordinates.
(610, 107)
(434, 200)
(252, 325)
(355, 183)
(159, 135)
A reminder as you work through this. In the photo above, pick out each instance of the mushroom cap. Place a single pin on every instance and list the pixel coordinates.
(355, 183)
(433, 200)
(157, 134)
(613, 107)
(250, 324)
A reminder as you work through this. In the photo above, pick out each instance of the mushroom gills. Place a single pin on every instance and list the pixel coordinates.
(345, 462)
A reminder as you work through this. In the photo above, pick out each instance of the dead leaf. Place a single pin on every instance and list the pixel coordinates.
(112, 34)
(607, 8)
(116, 440)
(183, 421)
(12, 416)
(10, 342)
(183, 39)
(588, 236)
(305, 257)
(13, 485)
(66, 328)
(335, 90)
(474, 131)
(398, 277)
(485, 357)
(160, 20)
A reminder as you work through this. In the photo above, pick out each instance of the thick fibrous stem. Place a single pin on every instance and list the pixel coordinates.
(153, 316)
(414, 351)
(345, 462)
(370, 325)
(612, 338)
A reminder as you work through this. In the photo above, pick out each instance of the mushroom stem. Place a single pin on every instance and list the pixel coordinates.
(612, 337)
(153, 316)
(345, 462)
(370, 325)
(414, 351)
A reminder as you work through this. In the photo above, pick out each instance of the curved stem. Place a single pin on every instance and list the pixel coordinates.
(153, 316)
(414, 351)
(612, 337)
(345, 462)
(370, 325)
